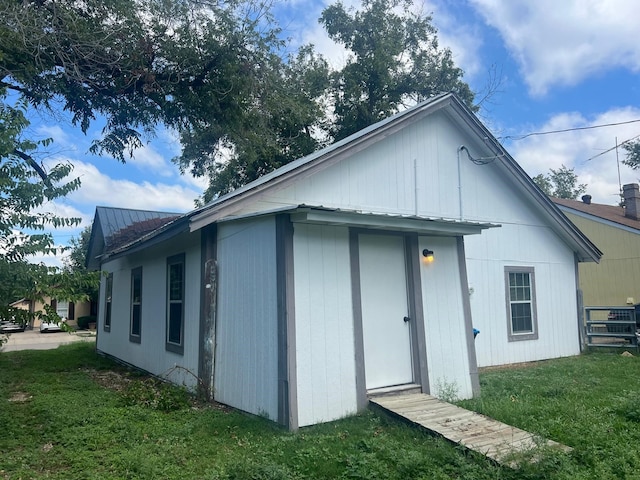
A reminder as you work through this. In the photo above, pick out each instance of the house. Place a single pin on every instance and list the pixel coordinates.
(616, 229)
(65, 309)
(353, 270)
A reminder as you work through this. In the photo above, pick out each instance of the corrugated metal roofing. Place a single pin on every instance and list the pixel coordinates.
(113, 220)
(114, 227)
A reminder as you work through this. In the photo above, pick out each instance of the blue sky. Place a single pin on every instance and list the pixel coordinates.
(562, 65)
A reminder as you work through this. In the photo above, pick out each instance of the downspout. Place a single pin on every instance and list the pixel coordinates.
(579, 305)
(460, 148)
(415, 186)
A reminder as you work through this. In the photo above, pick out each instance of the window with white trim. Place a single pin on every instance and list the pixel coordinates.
(135, 326)
(175, 303)
(521, 303)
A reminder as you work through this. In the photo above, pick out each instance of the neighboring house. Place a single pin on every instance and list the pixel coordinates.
(69, 310)
(354, 269)
(616, 230)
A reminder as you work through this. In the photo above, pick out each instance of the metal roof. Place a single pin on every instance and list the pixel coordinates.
(114, 227)
(460, 113)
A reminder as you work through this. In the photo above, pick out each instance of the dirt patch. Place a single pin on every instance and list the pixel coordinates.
(120, 382)
(117, 381)
(20, 397)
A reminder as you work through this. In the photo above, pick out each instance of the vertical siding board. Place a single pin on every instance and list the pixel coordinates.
(324, 332)
(447, 354)
(246, 372)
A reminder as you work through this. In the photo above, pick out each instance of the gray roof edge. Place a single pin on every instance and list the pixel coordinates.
(580, 240)
(436, 102)
(105, 208)
(597, 218)
(160, 234)
(309, 207)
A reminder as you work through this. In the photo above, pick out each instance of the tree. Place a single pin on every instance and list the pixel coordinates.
(394, 61)
(24, 187)
(135, 63)
(210, 70)
(282, 125)
(87, 282)
(75, 261)
(633, 154)
(561, 183)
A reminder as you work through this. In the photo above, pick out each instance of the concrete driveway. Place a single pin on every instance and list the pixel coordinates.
(34, 340)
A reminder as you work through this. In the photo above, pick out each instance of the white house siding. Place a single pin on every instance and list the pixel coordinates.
(555, 283)
(418, 171)
(150, 354)
(246, 363)
(325, 358)
(445, 331)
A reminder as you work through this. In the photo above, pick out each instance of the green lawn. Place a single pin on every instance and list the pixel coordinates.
(68, 414)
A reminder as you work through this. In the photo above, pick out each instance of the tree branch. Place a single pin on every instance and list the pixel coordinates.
(33, 164)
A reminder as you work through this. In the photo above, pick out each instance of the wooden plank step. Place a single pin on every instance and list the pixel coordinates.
(477, 432)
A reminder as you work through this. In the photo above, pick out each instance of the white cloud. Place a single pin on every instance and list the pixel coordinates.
(583, 150)
(49, 259)
(147, 157)
(463, 39)
(99, 189)
(562, 43)
(53, 131)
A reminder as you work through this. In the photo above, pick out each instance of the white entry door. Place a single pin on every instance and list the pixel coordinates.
(383, 290)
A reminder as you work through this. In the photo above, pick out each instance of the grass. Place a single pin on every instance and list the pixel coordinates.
(69, 414)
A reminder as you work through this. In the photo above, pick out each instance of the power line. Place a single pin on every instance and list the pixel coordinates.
(612, 148)
(574, 129)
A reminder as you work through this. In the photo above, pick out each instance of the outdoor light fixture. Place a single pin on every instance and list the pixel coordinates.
(428, 255)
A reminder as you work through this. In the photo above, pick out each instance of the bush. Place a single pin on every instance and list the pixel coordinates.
(83, 322)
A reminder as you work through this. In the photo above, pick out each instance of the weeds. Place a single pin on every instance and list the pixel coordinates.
(68, 413)
(156, 394)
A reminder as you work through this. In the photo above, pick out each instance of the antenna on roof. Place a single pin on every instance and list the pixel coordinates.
(619, 181)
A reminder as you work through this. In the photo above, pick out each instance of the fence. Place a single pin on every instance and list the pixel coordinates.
(611, 326)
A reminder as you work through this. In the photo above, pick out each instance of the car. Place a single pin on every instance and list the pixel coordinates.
(52, 327)
(11, 326)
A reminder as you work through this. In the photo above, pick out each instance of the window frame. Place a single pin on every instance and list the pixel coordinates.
(528, 335)
(171, 345)
(108, 300)
(136, 275)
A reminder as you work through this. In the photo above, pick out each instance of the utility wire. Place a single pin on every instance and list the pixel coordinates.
(611, 149)
(522, 137)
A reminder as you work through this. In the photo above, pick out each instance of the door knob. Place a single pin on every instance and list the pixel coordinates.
(406, 319)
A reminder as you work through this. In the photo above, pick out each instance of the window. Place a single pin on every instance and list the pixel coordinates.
(108, 291)
(62, 308)
(521, 303)
(136, 305)
(175, 303)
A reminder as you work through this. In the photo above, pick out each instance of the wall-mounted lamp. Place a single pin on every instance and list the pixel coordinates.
(428, 255)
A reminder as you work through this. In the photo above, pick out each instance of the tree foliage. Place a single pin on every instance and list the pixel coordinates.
(137, 63)
(394, 61)
(561, 183)
(25, 187)
(633, 154)
(281, 125)
(215, 72)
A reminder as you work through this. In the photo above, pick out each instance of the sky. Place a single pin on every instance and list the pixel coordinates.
(560, 65)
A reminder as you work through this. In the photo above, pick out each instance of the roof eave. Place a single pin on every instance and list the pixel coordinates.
(585, 249)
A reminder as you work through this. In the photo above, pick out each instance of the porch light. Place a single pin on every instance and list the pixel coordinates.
(428, 255)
